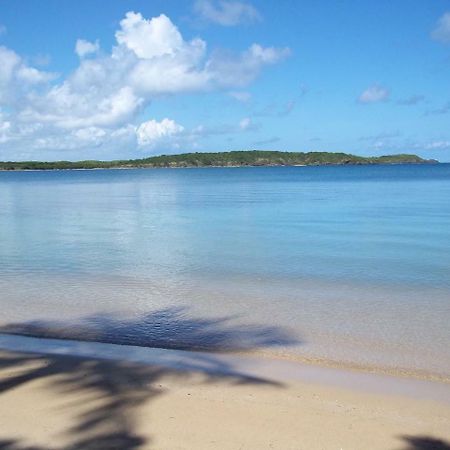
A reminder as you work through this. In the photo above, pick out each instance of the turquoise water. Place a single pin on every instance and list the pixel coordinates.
(349, 263)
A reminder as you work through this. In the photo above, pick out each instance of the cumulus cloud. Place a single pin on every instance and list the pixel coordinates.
(157, 37)
(441, 31)
(17, 77)
(151, 132)
(227, 13)
(170, 134)
(107, 91)
(83, 48)
(374, 94)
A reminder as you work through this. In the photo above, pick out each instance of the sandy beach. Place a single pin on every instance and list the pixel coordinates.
(54, 400)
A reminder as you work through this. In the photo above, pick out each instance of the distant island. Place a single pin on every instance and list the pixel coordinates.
(222, 159)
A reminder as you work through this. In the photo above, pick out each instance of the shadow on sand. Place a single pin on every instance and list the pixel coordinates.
(113, 391)
(425, 443)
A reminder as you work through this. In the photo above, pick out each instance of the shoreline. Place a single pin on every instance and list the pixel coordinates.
(78, 395)
(347, 366)
(250, 363)
(261, 354)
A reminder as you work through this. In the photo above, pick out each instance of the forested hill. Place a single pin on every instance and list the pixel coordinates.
(222, 159)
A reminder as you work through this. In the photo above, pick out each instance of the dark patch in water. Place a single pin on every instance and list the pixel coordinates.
(168, 328)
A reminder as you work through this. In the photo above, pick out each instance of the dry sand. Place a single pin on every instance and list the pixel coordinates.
(66, 402)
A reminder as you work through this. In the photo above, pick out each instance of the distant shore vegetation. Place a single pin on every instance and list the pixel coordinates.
(221, 159)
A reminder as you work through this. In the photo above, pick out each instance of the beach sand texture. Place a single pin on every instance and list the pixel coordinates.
(66, 402)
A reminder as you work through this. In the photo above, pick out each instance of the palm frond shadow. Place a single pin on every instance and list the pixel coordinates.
(425, 443)
(117, 389)
(172, 328)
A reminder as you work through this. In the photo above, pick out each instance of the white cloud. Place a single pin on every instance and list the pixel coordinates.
(227, 13)
(204, 131)
(441, 31)
(229, 70)
(268, 55)
(151, 59)
(5, 131)
(151, 132)
(245, 123)
(66, 108)
(106, 92)
(83, 48)
(191, 136)
(17, 78)
(393, 143)
(438, 145)
(374, 94)
(90, 134)
(156, 37)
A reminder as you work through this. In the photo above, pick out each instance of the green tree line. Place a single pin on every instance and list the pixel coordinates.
(221, 159)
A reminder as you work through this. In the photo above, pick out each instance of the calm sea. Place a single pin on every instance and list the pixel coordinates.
(348, 264)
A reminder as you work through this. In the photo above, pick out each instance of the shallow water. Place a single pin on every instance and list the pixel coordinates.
(343, 263)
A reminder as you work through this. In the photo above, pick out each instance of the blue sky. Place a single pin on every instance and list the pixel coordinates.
(122, 79)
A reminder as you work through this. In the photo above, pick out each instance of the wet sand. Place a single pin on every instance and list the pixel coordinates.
(115, 397)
